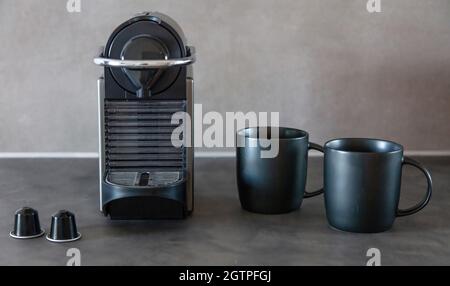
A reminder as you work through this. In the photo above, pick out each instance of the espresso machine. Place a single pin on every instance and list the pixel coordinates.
(147, 79)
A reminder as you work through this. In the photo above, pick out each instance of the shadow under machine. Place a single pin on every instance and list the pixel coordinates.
(147, 79)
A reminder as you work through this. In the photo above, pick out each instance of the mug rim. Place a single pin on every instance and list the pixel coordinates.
(242, 133)
(398, 147)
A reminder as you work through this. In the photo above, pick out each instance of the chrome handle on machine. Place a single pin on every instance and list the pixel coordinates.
(146, 64)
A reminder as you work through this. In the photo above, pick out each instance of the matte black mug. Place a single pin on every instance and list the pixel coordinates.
(362, 179)
(273, 185)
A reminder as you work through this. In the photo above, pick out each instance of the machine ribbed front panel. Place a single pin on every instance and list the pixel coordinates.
(138, 136)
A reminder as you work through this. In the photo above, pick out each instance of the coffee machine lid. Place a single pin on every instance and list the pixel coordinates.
(149, 36)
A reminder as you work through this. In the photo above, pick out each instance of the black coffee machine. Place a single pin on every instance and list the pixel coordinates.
(147, 79)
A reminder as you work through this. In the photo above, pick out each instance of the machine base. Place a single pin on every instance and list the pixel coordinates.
(122, 202)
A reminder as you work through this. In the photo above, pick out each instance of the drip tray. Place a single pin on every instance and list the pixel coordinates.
(144, 179)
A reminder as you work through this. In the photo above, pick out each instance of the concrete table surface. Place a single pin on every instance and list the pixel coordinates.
(219, 232)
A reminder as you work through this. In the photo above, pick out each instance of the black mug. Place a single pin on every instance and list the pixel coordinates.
(362, 179)
(273, 184)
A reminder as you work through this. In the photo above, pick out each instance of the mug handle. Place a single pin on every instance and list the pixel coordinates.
(317, 147)
(426, 200)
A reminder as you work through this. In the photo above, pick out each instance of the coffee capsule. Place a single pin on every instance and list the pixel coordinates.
(63, 227)
(26, 224)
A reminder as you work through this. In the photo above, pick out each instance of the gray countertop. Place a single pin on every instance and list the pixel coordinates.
(219, 232)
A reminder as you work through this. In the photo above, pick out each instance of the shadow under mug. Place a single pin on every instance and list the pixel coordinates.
(273, 185)
(362, 179)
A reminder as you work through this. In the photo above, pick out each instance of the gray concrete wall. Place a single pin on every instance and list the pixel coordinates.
(328, 66)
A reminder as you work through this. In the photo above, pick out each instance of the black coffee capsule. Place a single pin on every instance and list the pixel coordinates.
(26, 224)
(63, 227)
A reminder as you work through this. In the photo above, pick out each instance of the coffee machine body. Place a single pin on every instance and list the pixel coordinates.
(147, 79)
